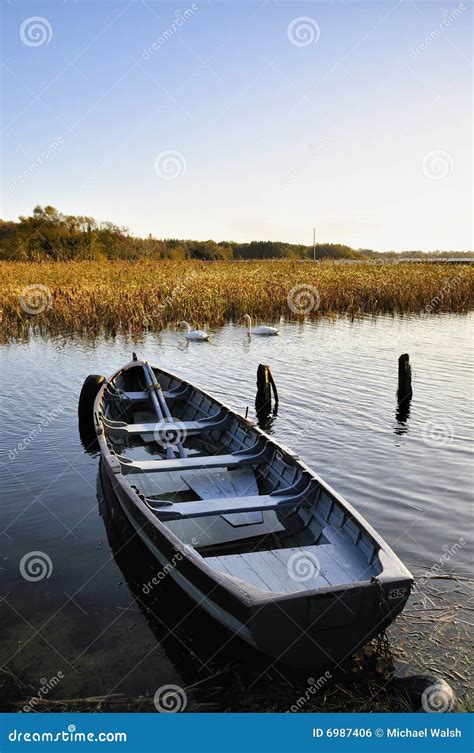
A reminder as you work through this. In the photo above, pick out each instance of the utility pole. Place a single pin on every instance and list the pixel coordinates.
(314, 244)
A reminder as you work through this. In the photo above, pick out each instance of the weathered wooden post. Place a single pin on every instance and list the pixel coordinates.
(265, 387)
(405, 391)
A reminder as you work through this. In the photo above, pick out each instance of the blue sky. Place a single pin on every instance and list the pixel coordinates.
(247, 120)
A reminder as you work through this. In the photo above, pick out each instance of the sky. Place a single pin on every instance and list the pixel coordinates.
(243, 120)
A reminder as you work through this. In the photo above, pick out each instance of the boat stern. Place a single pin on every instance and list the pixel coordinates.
(326, 628)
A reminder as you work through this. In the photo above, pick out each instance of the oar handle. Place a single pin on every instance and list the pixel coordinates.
(163, 411)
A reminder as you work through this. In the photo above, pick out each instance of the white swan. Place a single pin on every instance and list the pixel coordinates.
(263, 330)
(194, 334)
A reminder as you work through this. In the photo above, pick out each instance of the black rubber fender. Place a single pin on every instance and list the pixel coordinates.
(427, 693)
(90, 388)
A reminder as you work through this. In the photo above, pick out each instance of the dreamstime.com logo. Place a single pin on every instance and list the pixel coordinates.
(170, 699)
(36, 31)
(71, 735)
(437, 698)
(35, 299)
(170, 164)
(46, 153)
(35, 432)
(314, 152)
(180, 288)
(303, 299)
(449, 18)
(303, 31)
(437, 165)
(437, 434)
(45, 687)
(161, 574)
(449, 285)
(180, 19)
(171, 432)
(447, 556)
(36, 566)
(313, 687)
(303, 566)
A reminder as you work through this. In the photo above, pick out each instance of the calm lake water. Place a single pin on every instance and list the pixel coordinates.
(89, 620)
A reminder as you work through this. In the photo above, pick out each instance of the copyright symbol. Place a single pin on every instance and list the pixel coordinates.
(379, 732)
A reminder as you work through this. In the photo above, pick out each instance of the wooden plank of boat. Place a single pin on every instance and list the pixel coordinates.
(323, 559)
(164, 427)
(229, 460)
(269, 569)
(239, 482)
(238, 567)
(144, 395)
(221, 506)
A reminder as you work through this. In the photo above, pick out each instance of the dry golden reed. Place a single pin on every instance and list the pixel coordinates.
(90, 297)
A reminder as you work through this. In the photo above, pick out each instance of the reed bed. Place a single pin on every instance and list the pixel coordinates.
(123, 296)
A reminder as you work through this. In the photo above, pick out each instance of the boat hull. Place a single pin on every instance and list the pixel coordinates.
(310, 631)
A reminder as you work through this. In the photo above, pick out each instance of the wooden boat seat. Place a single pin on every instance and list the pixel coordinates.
(250, 456)
(181, 428)
(221, 506)
(282, 570)
(141, 395)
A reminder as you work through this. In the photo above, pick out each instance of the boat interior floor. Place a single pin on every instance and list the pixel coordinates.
(286, 570)
(286, 550)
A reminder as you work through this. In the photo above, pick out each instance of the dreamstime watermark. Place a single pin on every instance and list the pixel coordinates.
(303, 299)
(170, 432)
(447, 556)
(179, 288)
(449, 284)
(437, 165)
(180, 20)
(437, 698)
(170, 699)
(40, 160)
(35, 299)
(303, 31)
(161, 575)
(313, 687)
(36, 566)
(312, 155)
(43, 690)
(318, 412)
(35, 432)
(36, 31)
(71, 735)
(170, 164)
(449, 18)
(303, 566)
(437, 434)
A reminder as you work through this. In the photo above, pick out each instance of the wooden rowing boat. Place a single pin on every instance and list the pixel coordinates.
(244, 527)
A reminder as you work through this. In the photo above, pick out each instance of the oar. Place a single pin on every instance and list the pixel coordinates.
(161, 406)
(156, 405)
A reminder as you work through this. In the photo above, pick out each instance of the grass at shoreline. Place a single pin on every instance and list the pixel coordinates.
(90, 297)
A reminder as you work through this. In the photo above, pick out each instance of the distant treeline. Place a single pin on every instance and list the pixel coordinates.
(50, 235)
